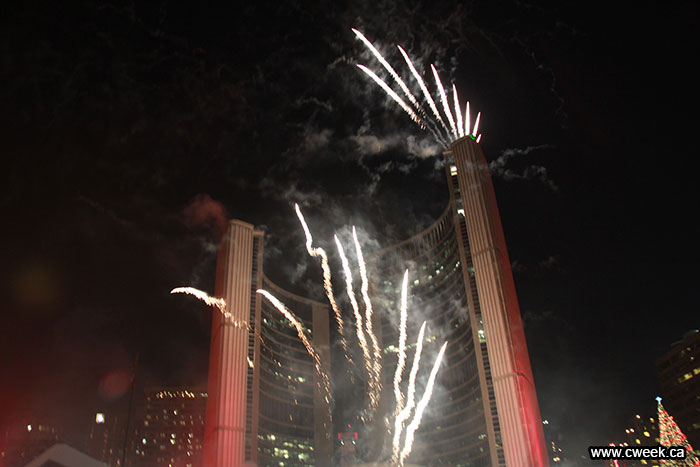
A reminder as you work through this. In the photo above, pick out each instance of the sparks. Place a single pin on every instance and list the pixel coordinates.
(445, 104)
(423, 88)
(458, 111)
(420, 408)
(327, 282)
(391, 71)
(323, 377)
(476, 124)
(410, 397)
(369, 367)
(393, 95)
(377, 364)
(455, 130)
(219, 303)
(467, 120)
(400, 365)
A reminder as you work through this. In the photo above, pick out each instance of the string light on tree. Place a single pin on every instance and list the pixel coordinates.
(671, 435)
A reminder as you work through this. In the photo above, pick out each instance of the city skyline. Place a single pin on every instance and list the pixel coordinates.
(134, 134)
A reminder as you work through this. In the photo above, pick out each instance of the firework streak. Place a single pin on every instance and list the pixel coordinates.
(374, 386)
(327, 284)
(401, 362)
(323, 377)
(393, 95)
(377, 366)
(404, 413)
(420, 408)
(455, 130)
(219, 303)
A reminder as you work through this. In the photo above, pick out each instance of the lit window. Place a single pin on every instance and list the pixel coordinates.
(453, 170)
(99, 418)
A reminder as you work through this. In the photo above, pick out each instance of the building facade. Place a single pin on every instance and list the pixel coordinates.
(262, 407)
(679, 373)
(171, 432)
(484, 410)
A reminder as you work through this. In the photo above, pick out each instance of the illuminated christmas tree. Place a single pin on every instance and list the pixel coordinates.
(671, 435)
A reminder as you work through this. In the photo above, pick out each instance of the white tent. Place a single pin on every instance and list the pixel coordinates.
(64, 455)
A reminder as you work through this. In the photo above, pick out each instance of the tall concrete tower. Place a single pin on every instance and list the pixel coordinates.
(505, 351)
(237, 278)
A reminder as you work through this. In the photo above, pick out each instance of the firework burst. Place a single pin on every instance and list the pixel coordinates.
(442, 133)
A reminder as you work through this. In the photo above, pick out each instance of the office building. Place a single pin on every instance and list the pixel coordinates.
(679, 373)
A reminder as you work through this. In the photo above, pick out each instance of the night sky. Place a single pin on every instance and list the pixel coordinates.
(131, 133)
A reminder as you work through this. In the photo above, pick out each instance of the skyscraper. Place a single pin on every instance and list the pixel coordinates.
(172, 429)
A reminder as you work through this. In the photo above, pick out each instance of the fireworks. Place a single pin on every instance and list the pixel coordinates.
(219, 303)
(373, 382)
(371, 354)
(404, 413)
(327, 283)
(377, 363)
(393, 95)
(400, 365)
(368, 342)
(442, 133)
(323, 377)
(420, 408)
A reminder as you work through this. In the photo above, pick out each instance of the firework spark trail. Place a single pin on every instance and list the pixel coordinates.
(476, 124)
(327, 283)
(393, 95)
(304, 339)
(391, 71)
(423, 88)
(377, 362)
(420, 408)
(458, 111)
(400, 365)
(219, 303)
(369, 368)
(467, 120)
(410, 398)
(445, 104)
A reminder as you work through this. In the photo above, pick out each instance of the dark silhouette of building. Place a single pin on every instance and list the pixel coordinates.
(679, 373)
